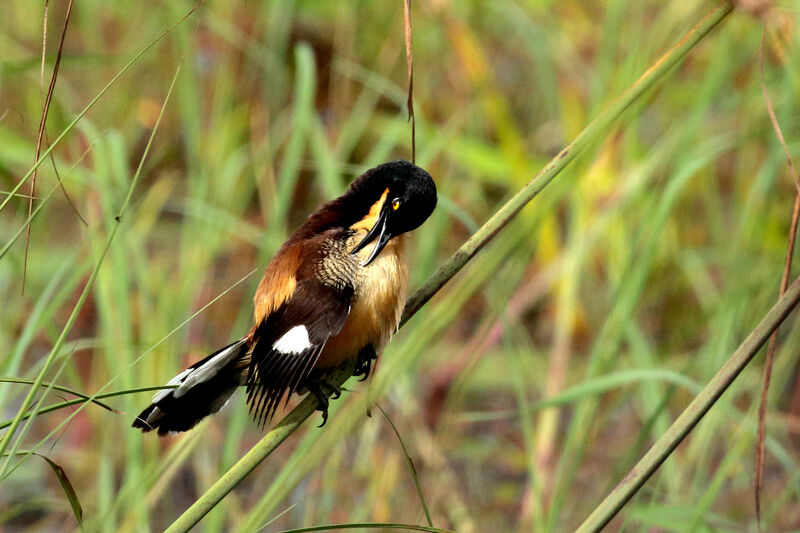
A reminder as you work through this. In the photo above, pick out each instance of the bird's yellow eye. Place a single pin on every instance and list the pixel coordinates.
(396, 203)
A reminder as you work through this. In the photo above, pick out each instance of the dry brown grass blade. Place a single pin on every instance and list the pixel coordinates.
(44, 47)
(760, 450)
(61, 185)
(46, 138)
(410, 65)
(42, 122)
(410, 107)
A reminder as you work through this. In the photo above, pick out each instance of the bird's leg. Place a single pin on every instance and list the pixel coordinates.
(322, 390)
(364, 362)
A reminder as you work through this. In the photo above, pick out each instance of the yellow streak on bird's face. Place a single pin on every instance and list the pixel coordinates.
(371, 218)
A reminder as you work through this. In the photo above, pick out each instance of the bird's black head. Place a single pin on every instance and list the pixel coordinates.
(400, 197)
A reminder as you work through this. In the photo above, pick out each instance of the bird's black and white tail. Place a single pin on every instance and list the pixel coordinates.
(202, 389)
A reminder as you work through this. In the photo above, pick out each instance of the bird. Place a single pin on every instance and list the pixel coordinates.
(333, 292)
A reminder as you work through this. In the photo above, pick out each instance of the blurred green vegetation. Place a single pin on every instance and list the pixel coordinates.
(627, 282)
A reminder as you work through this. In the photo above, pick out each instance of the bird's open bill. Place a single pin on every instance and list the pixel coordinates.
(383, 234)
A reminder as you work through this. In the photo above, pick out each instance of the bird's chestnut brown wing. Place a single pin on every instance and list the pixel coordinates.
(287, 343)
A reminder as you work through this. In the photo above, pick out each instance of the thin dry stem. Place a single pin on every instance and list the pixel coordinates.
(42, 122)
(410, 64)
(760, 450)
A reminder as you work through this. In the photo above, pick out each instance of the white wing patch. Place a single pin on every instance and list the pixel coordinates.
(294, 341)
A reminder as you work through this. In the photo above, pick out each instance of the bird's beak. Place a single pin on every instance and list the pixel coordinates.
(380, 231)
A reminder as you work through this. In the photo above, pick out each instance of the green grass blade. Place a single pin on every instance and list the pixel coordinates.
(89, 106)
(80, 401)
(58, 388)
(592, 133)
(689, 418)
(66, 485)
(51, 358)
(411, 467)
(591, 387)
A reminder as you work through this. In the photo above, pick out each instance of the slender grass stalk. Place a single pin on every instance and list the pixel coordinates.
(367, 525)
(411, 466)
(51, 358)
(99, 394)
(592, 133)
(83, 399)
(760, 448)
(60, 389)
(689, 418)
(90, 105)
(45, 109)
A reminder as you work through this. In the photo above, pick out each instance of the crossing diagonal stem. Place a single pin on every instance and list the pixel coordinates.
(595, 131)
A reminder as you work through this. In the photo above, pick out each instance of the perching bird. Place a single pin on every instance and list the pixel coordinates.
(334, 291)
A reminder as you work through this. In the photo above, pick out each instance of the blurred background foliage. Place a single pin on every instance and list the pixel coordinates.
(533, 381)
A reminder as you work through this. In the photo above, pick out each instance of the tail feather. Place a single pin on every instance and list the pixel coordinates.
(202, 389)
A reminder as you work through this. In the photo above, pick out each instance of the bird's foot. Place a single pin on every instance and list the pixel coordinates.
(364, 362)
(323, 391)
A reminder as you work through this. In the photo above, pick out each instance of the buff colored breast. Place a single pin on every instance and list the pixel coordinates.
(380, 294)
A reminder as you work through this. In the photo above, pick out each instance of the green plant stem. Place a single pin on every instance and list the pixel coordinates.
(5, 441)
(83, 399)
(367, 525)
(12, 193)
(592, 133)
(411, 466)
(254, 456)
(689, 418)
(51, 358)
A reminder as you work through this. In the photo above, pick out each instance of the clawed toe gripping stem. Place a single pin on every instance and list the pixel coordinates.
(364, 363)
(323, 391)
